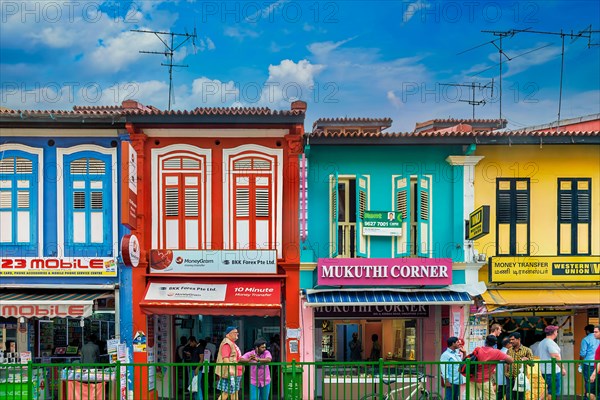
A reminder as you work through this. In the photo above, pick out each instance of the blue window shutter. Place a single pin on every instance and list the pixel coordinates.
(89, 167)
(423, 215)
(402, 205)
(333, 215)
(19, 166)
(362, 204)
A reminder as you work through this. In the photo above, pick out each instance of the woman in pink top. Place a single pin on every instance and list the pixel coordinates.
(260, 376)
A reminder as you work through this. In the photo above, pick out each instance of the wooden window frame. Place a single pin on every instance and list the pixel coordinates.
(513, 216)
(574, 219)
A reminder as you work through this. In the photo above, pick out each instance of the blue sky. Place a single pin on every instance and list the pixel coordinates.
(344, 58)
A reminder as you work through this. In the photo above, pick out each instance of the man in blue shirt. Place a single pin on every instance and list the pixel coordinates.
(451, 377)
(589, 344)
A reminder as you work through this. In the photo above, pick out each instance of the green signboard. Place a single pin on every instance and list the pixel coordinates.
(382, 223)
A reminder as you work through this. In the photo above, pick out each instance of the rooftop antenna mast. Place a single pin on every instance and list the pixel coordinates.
(501, 35)
(170, 48)
(473, 86)
(586, 33)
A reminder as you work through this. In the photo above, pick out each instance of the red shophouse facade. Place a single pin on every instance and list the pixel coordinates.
(215, 181)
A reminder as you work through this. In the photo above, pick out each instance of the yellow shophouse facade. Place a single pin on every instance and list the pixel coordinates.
(541, 257)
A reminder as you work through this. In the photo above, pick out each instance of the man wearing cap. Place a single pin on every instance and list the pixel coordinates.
(230, 376)
(547, 351)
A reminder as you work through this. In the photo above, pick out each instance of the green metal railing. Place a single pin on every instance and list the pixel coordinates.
(381, 380)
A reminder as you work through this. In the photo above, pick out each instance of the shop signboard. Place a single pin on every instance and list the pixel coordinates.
(51, 266)
(384, 271)
(28, 309)
(545, 269)
(129, 191)
(382, 223)
(479, 223)
(218, 292)
(222, 262)
(372, 311)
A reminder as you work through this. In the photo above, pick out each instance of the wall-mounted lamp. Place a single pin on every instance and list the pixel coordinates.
(82, 322)
(21, 320)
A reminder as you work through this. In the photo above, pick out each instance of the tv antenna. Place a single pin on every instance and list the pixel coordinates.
(473, 86)
(586, 33)
(170, 48)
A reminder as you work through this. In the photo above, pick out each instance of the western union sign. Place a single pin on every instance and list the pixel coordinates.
(545, 269)
(479, 223)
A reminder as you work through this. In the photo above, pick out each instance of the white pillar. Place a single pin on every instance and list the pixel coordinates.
(468, 163)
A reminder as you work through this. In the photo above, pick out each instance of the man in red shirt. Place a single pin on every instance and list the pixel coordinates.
(480, 387)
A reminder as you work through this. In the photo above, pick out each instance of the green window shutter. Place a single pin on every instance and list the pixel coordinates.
(402, 205)
(423, 215)
(362, 205)
(333, 215)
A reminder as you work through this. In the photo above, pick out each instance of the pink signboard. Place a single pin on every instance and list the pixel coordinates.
(385, 271)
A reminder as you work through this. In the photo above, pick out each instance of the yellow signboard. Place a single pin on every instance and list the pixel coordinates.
(545, 269)
(479, 223)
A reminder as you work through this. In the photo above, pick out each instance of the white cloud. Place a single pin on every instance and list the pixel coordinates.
(391, 96)
(240, 33)
(213, 92)
(412, 8)
(523, 59)
(321, 49)
(121, 51)
(289, 81)
(266, 12)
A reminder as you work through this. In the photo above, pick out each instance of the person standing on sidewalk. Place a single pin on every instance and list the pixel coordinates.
(260, 375)
(230, 376)
(480, 387)
(519, 353)
(451, 377)
(549, 350)
(594, 380)
(589, 344)
(502, 390)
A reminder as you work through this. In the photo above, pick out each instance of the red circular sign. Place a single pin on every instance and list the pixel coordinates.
(130, 250)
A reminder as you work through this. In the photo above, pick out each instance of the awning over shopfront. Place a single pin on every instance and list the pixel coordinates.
(384, 297)
(504, 299)
(245, 298)
(30, 304)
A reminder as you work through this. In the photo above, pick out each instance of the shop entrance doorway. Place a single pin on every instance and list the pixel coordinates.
(344, 337)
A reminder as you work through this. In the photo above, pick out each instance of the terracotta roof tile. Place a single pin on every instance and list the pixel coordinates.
(455, 121)
(382, 122)
(216, 111)
(450, 133)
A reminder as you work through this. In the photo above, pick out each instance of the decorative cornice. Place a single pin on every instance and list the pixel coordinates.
(464, 160)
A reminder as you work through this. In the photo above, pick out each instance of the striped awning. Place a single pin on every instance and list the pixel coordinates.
(49, 304)
(384, 297)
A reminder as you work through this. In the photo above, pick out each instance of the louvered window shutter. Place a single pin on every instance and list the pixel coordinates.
(191, 202)
(574, 216)
(172, 202)
(362, 204)
(262, 202)
(333, 215)
(18, 205)
(423, 217)
(242, 202)
(512, 216)
(402, 206)
(88, 227)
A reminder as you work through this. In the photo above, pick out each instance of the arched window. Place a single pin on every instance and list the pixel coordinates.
(182, 201)
(88, 205)
(19, 203)
(252, 188)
